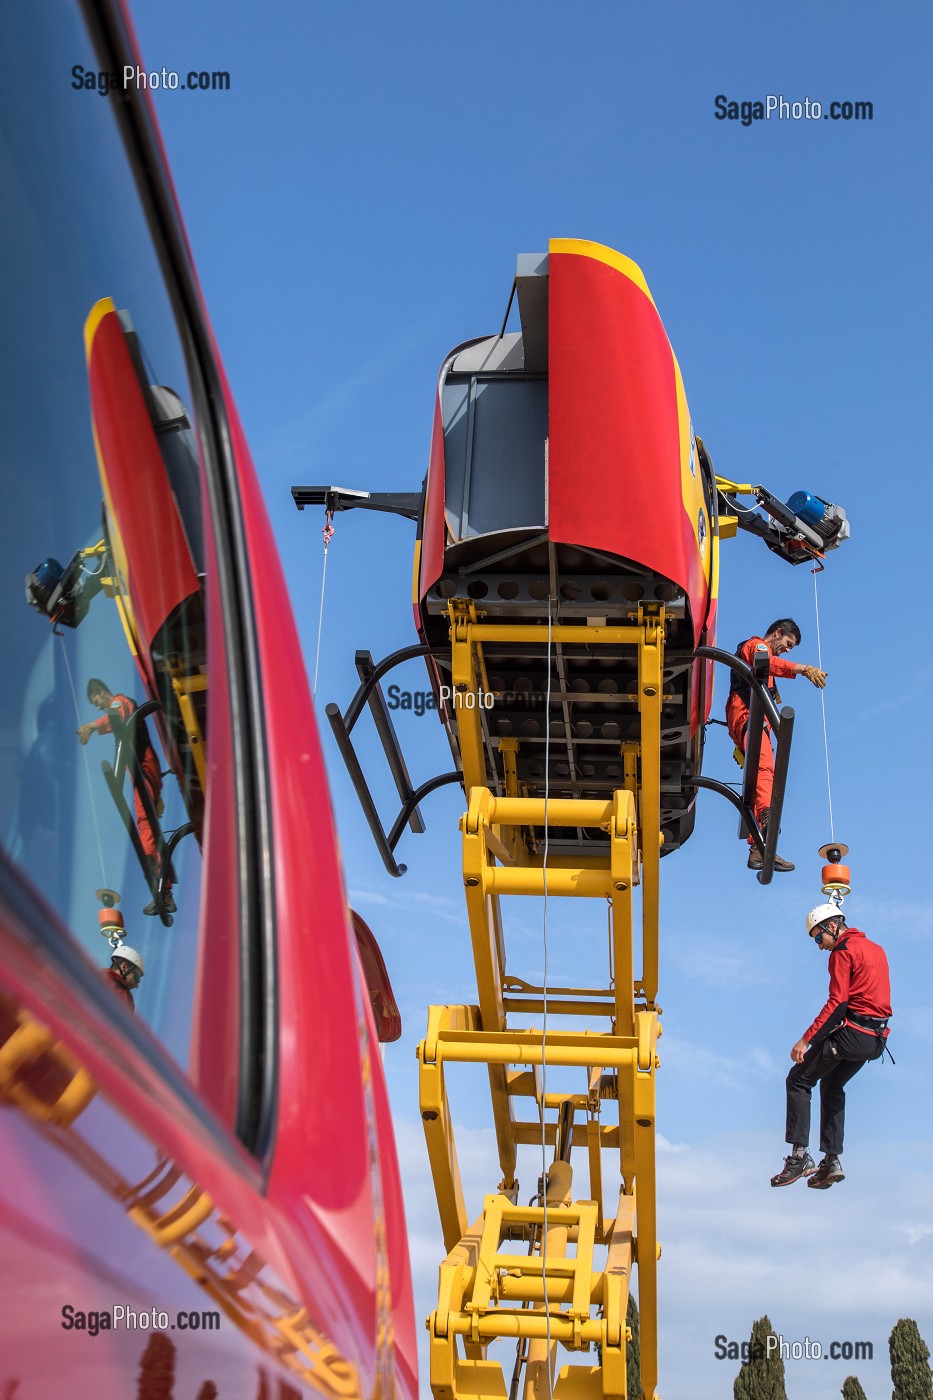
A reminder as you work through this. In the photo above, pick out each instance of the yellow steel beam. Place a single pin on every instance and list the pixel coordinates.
(185, 685)
(622, 834)
(559, 1006)
(508, 1047)
(508, 748)
(646, 1220)
(570, 883)
(503, 1114)
(530, 1134)
(499, 857)
(561, 811)
(484, 918)
(650, 672)
(438, 1127)
(564, 634)
(465, 680)
(542, 1354)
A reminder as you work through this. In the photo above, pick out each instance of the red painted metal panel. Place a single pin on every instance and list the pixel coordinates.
(433, 540)
(614, 462)
(322, 1173)
(145, 516)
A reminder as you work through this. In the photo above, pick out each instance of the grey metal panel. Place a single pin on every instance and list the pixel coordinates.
(494, 435)
(495, 354)
(455, 406)
(531, 282)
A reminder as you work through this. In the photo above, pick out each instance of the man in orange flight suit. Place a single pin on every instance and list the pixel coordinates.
(780, 637)
(122, 706)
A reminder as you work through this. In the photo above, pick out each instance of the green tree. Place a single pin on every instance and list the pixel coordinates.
(910, 1373)
(157, 1369)
(633, 1352)
(852, 1390)
(761, 1376)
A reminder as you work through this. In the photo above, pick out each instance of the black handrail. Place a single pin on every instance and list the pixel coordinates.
(761, 710)
(369, 692)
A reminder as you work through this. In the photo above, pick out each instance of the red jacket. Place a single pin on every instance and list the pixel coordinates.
(119, 986)
(858, 981)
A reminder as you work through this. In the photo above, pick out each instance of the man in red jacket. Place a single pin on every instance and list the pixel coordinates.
(780, 638)
(124, 974)
(850, 1030)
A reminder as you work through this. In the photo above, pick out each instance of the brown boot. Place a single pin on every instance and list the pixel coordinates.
(755, 861)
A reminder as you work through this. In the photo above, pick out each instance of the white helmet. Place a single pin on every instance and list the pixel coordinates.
(130, 955)
(821, 913)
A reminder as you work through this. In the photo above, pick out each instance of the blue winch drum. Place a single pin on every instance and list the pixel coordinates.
(809, 509)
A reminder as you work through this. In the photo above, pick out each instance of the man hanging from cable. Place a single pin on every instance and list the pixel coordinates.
(121, 706)
(850, 1030)
(781, 637)
(124, 974)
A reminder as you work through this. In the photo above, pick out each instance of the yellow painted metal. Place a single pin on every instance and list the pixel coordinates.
(581, 635)
(553, 1265)
(185, 685)
(734, 488)
(438, 1127)
(488, 1289)
(529, 811)
(508, 1047)
(466, 679)
(650, 672)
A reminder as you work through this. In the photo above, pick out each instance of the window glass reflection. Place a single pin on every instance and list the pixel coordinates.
(103, 695)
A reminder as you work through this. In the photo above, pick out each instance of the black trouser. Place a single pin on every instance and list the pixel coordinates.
(833, 1061)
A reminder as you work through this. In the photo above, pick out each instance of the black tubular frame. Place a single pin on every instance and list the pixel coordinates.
(761, 711)
(370, 693)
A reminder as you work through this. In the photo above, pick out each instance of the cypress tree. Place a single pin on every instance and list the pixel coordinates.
(633, 1353)
(852, 1390)
(761, 1376)
(157, 1369)
(910, 1373)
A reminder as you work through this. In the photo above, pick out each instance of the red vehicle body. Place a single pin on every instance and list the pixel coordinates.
(226, 1172)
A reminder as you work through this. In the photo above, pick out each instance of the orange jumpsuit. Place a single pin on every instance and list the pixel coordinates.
(737, 718)
(124, 707)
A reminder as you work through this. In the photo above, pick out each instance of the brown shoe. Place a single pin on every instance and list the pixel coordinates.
(755, 861)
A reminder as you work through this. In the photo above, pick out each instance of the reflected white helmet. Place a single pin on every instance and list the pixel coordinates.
(130, 955)
(820, 914)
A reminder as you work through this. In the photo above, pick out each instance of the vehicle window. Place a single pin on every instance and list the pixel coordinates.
(104, 730)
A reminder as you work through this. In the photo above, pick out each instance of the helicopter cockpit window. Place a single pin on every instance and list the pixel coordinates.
(104, 688)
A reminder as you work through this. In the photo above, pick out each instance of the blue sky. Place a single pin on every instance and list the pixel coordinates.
(355, 204)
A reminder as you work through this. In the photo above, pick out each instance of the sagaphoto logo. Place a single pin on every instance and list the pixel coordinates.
(419, 702)
(105, 82)
(777, 107)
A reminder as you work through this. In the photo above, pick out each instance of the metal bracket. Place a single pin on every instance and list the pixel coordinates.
(404, 503)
